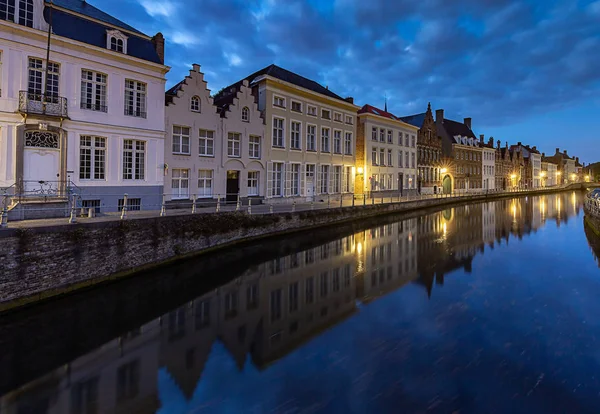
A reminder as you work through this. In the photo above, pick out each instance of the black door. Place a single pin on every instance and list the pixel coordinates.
(233, 186)
(400, 182)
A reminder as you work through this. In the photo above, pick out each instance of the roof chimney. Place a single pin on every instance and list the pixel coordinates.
(498, 144)
(543, 155)
(519, 143)
(327, 87)
(491, 142)
(557, 150)
(159, 45)
(439, 116)
(577, 160)
(196, 67)
(349, 99)
(481, 137)
(468, 122)
(534, 148)
(565, 152)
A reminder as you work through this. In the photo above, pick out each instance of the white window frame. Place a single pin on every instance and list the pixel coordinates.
(311, 110)
(382, 157)
(311, 137)
(93, 91)
(181, 191)
(94, 159)
(294, 180)
(292, 106)
(137, 153)
(324, 175)
(337, 179)
(277, 99)
(276, 178)
(374, 156)
(136, 98)
(23, 16)
(390, 136)
(117, 36)
(337, 141)
(337, 117)
(179, 139)
(349, 120)
(325, 139)
(278, 133)
(245, 114)
(234, 144)
(328, 111)
(195, 104)
(382, 134)
(254, 144)
(374, 134)
(295, 134)
(390, 156)
(206, 179)
(206, 137)
(253, 182)
(348, 146)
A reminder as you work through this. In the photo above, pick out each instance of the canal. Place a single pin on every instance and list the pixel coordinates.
(487, 308)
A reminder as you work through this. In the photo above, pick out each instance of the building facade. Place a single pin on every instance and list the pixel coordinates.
(386, 160)
(213, 149)
(488, 164)
(532, 162)
(549, 173)
(86, 122)
(310, 136)
(429, 155)
(503, 167)
(566, 166)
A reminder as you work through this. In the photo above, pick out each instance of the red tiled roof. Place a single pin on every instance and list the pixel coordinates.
(369, 109)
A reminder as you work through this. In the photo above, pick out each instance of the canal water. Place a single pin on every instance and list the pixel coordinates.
(487, 308)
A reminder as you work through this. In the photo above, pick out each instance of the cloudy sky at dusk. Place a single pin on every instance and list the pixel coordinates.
(524, 71)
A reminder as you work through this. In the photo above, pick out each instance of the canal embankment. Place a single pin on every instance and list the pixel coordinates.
(41, 262)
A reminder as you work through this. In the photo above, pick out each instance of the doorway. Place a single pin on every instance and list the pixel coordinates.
(233, 186)
(41, 163)
(310, 180)
(447, 185)
(400, 182)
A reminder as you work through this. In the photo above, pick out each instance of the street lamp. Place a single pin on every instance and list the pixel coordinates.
(444, 170)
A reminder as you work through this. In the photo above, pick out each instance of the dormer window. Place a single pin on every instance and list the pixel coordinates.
(245, 114)
(195, 104)
(116, 41)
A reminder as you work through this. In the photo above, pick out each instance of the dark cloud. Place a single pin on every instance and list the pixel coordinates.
(489, 59)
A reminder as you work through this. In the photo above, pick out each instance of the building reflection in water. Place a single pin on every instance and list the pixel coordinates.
(277, 306)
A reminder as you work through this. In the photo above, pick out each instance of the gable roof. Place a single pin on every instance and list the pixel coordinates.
(454, 128)
(86, 9)
(286, 76)
(370, 109)
(415, 120)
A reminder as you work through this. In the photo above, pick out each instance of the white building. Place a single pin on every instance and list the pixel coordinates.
(94, 122)
(309, 136)
(213, 149)
(488, 165)
(386, 152)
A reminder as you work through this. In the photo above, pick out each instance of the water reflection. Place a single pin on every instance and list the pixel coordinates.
(277, 306)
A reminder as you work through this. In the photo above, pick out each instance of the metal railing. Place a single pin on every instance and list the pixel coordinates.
(40, 104)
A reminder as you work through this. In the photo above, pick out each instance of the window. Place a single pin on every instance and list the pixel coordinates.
(400, 138)
(337, 142)
(207, 143)
(324, 139)
(335, 280)
(382, 135)
(293, 297)
(349, 120)
(234, 142)
(128, 379)
(325, 114)
(252, 297)
(180, 183)
(253, 183)
(311, 110)
(91, 204)
(296, 106)
(245, 114)
(295, 179)
(84, 394)
(413, 163)
(348, 179)
(390, 136)
(195, 104)
(337, 179)
(406, 140)
(406, 159)
(93, 91)
(7, 10)
(205, 183)
(324, 189)
(275, 305)
(135, 98)
(36, 73)
(92, 158)
(276, 178)
(324, 279)
(374, 156)
(181, 140)
(133, 204)
(382, 156)
(134, 154)
(400, 163)
(295, 134)
(279, 101)
(413, 141)
(309, 289)
(311, 138)
(348, 143)
(389, 158)
(374, 134)
(254, 147)
(337, 117)
(278, 132)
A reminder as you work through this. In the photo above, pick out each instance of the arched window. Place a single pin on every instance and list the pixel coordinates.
(116, 41)
(245, 114)
(116, 44)
(195, 104)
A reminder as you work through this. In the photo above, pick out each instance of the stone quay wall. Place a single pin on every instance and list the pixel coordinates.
(40, 262)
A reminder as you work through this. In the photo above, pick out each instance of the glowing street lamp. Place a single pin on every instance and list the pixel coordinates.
(444, 170)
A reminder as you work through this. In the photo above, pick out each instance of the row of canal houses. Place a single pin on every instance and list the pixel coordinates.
(83, 105)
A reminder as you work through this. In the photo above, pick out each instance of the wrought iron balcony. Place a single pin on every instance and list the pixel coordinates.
(37, 104)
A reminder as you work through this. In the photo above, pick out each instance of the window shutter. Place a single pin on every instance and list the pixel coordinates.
(269, 180)
(319, 176)
(288, 180)
(331, 179)
(343, 189)
(351, 180)
(302, 178)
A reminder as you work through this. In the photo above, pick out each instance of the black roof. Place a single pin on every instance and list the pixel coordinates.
(454, 128)
(92, 33)
(415, 120)
(286, 76)
(85, 8)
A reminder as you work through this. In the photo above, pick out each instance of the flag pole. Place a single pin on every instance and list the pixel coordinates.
(44, 90)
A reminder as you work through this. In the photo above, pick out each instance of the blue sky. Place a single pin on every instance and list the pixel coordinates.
(524, 71)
